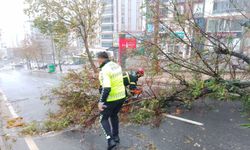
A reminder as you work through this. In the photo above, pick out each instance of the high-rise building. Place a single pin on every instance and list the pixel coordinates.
(120, 16)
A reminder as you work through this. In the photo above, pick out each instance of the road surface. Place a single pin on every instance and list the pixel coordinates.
(221, 130)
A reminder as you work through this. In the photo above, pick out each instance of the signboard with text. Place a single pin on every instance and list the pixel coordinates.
(124, 44)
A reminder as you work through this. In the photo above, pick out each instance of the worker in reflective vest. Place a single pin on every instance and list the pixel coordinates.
(130, 80)
(111, 99)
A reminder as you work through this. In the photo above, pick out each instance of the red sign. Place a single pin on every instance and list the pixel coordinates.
(125, 43)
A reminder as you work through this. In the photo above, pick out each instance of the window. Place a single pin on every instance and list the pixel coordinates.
(221, 25)
(235, 25)
(201, 22)
(107, 1)
(107, 27)
(173, 48)
(107, 19)
(164, 11)
(224, 6)
(212, 24)
(227, 25)
(122, 12)
(123, 20)
(220, 7)
(107, 36)
(198, 8)
(108, 10)
(107, 44)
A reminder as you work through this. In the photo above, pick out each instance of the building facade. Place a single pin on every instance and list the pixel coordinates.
(168, 10)
(120, 16)
(226, 19)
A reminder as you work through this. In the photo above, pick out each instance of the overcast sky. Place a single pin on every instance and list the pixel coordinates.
(12, 21)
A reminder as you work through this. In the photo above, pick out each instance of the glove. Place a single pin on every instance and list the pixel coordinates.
(136, 91)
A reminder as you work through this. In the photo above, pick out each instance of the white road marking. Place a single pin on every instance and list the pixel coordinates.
(31, 144)
(184, 120)
(10, 107)
(29, 141)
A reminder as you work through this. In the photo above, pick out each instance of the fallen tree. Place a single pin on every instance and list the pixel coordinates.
(210, 57)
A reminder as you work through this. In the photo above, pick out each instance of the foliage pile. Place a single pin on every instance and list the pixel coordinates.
(77, 97)
(209, 65)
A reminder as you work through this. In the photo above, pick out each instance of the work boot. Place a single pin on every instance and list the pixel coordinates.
(117, 139)
(111, 144)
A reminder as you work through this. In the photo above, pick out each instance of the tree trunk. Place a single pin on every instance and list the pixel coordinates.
(53, 49)
(241, 56)
(29, 65)
(37, 63)
(156, 34)
(60, 65)
(85, 39)
(84, 34)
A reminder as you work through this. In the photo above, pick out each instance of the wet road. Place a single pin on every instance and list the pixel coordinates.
(24, 90)
(221, 130)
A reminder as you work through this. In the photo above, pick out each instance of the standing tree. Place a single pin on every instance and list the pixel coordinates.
(58, 32)
(27, 51)
(80, 16)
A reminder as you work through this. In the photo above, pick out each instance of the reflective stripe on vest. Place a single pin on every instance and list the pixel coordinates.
(127, 76)
(113, 76)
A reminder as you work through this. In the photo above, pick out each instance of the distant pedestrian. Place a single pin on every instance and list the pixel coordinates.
(112, 98)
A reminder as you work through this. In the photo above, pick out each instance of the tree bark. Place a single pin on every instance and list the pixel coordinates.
(156, 34)
(84, 36)
(224, 51)
(37, 63)
(60, 65)
(89, 55)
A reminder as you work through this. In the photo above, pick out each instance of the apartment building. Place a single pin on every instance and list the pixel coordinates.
(120, 16)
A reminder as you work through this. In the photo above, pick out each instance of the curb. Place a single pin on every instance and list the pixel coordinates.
(2, 141)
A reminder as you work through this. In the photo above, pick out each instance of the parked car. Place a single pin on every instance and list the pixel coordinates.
(43, 67)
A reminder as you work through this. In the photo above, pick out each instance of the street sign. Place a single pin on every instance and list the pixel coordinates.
(178, 34)
(127, 43)
(124, 44)
(150, 28)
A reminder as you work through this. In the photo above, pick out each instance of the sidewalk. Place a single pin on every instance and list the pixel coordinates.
(4, 112)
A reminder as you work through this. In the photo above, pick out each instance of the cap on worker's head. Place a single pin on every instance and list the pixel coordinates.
(140, 71)
(103, 55)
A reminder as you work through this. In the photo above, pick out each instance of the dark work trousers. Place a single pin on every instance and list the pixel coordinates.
(111, 128)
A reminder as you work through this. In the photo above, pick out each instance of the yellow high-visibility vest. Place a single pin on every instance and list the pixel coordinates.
(111, 76)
